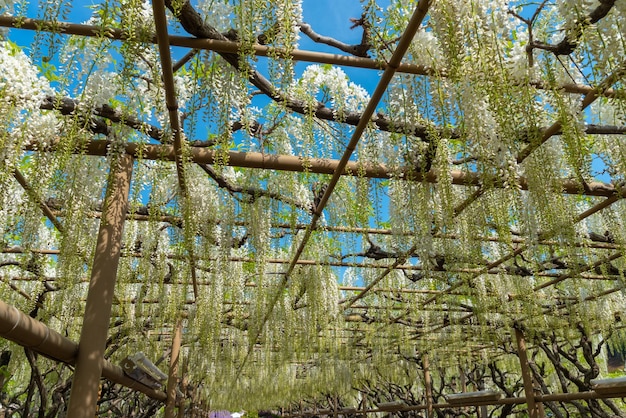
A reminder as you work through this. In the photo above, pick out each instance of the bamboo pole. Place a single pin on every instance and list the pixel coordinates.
(528, 383)
(84, 392)
(172, 381)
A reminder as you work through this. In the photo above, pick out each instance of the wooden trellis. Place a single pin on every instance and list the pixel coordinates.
(434, 299)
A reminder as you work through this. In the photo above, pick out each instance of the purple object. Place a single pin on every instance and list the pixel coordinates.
(219, 414)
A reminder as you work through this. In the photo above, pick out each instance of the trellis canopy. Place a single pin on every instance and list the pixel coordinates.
(315, 211)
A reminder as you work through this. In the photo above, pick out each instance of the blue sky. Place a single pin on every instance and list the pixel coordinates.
(332, 17)
(327, 17)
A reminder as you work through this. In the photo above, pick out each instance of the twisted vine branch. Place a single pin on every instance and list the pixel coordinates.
(68, 106)
(195, 25)
(572, 38)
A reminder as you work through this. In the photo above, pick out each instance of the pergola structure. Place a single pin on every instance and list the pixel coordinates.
(318, 242)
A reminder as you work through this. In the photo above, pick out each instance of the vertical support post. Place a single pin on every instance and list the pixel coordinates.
(181, 405)
(462, 378)
(181, 409)
(364, 405)
(172, 379)
(541, 413)
(93, 335)
(428, 386)
(528, 383)
(183, 387)
(482, 410)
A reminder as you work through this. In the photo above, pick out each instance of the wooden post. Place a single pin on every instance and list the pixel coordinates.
(181, 405)
(428, 386)
(463, 382)
(181, 410)
(93, 335)
(172, 380)
(541, 413)
(482, 410)
(528, 382)
(462, 378)
(364, 404)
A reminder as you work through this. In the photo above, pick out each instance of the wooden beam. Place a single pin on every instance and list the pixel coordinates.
(319, 166)
(28, 332)
(84, 392)
(172, 381)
